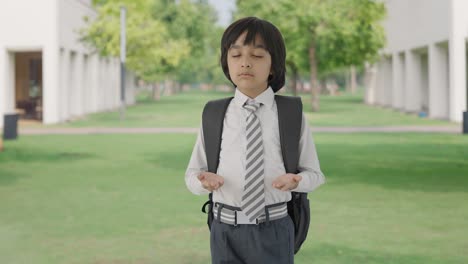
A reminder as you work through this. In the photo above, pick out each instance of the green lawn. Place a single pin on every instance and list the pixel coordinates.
(184, 110)
(389, 198)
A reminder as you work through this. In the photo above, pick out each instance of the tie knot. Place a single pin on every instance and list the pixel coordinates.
(252, 106)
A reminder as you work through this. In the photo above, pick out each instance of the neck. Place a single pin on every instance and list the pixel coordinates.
(252, 93)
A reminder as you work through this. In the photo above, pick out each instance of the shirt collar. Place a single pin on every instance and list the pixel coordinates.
(266, 98)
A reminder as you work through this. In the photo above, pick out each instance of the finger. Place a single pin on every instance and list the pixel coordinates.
(278, 185)
(297, 178)
(201, 176)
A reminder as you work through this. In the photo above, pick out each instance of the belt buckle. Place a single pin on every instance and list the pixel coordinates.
(242, 219)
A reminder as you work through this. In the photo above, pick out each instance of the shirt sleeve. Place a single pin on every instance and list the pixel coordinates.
(309, 166)
(197, 164)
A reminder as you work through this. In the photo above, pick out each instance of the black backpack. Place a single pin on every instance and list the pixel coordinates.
(290, 121)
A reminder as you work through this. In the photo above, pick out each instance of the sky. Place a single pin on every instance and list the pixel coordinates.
(224, 8)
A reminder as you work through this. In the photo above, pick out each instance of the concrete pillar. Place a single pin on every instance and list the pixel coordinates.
(424, 81)
(102, 87)
(99, 88)
(457, 60)
(380, 82)
(438, 81)
(370, 83)
(7, 83)
(398, 80)
(388, 82)
(64, 105)
(130, 88)
(413, 86)
(94, 81)
(72, 85)
(85, 85)
(3, 82)
(51, 82)
(116, 82)
(78, 85)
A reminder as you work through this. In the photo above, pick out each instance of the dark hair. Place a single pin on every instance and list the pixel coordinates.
(274, 44)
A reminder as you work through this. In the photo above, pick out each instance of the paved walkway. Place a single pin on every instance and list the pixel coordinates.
(189, 130)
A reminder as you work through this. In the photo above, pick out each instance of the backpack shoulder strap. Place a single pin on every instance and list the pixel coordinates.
(290, 123)
(212, 122)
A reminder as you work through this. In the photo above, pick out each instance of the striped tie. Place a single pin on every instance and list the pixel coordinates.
(253, 199)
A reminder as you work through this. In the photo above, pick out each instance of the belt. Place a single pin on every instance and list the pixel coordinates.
(234, 216)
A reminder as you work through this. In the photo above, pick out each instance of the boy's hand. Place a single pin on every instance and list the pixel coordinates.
(287, 182)
(210, 181)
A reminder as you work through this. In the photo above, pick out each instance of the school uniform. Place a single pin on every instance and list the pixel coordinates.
(269, 238)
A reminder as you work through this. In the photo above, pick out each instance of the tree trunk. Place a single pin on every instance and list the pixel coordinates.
(348, 81)
(168, 87)
(353, 80)
(156, 91)
(314, 87)
(294, 77)
(294, 82)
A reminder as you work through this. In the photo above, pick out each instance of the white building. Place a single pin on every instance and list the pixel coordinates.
(423, 67)
(46, 73)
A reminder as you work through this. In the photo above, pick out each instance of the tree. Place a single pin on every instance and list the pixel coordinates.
(150, 48)
(330, 34)
(195, 22)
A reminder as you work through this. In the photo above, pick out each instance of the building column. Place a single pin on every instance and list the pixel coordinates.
(78, 84)
(388, 82)
(64, 107)
(398, 81)
(424, 81)
(129, 88)
(457, 60)
(370, 83)
(7, 83)
(438, 82)
(380, 82)
(413, 87)
(51, 84)
(101, 88)
(72, 85)
(3, 82)
(116, 83)
(94, 82)
(85, 85)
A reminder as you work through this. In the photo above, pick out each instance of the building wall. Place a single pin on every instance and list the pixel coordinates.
(76, 81)
(415, 23)
(427, 40)
(25, 25)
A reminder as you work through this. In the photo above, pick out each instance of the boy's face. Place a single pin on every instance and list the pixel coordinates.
(249, 66)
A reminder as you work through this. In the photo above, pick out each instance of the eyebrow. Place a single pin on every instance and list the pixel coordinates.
(258, 46)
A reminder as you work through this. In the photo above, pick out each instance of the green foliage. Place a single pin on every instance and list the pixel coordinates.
(344, 32)
(193, 21)
(164, 37)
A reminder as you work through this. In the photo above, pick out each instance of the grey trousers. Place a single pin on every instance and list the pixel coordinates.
(268, 243)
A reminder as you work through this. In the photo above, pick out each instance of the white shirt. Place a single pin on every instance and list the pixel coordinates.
(233, 150)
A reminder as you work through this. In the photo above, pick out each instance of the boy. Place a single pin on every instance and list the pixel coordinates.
(251, 186)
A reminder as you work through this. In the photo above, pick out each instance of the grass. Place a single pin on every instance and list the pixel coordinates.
(389, 198)
(184, 110)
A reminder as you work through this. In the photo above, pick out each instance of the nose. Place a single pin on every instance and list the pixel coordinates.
(245, 63)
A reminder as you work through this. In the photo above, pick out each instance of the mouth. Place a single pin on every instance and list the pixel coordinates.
(245, 74)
